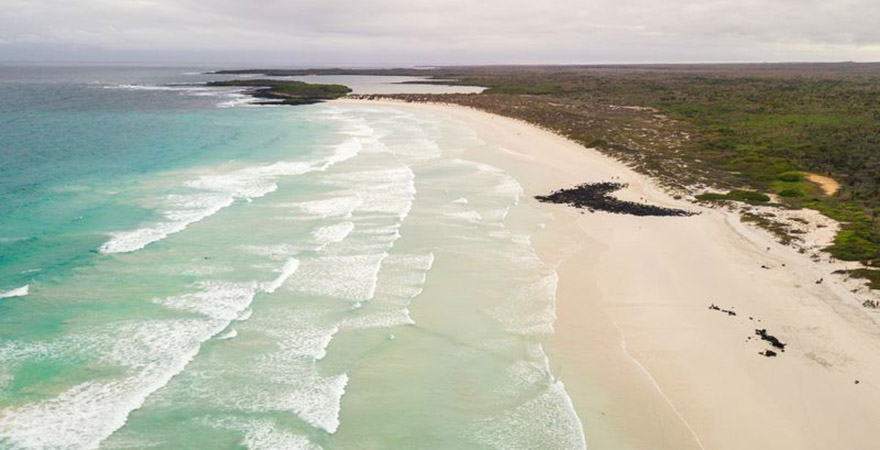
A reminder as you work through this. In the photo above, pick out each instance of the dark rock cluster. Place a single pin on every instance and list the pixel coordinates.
(595, 197)
(762, 333)
(770, 338)
(729, 312)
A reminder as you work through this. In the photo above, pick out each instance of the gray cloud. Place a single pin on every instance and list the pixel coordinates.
(296, 32)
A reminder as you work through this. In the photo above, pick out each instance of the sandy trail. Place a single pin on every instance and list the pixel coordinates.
(829, 185)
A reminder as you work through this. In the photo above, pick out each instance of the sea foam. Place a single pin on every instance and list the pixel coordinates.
(263, 434)
(84, 415)
(287, 270)
(332, 234)
(214, 299)
(266, 436)
(17, 292)
(345, 277)
(547, 421)
(219, 191)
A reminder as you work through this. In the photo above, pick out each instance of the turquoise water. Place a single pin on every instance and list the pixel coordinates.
(182, 271)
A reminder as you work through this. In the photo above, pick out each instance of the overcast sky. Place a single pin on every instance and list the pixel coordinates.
(421, 32)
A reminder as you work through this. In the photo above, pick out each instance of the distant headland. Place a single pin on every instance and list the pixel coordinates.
(287, 92)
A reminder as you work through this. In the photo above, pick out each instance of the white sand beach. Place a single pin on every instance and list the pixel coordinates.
(646, 362)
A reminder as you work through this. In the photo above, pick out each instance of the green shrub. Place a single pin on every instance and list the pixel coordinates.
(854, 243)
(872, 275)
(598, 143)
(748, 196)
(791, 192)
(791, 176)
(711, 197)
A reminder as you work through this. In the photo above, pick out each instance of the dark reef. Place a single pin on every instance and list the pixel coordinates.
(595, 197)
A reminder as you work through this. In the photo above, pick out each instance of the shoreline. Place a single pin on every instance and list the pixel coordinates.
(647, 364)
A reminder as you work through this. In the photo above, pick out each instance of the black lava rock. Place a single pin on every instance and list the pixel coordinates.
(771, 339)
(595, 197)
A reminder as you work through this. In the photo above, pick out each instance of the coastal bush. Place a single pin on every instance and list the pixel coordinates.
(855, 243)
(791, 176)
(780, 230)
(791, 192)
(289, 92)
(711, 197)
(872, 275)
(748, 196)
(735, 195)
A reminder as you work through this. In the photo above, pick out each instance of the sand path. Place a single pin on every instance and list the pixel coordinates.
(829, 185)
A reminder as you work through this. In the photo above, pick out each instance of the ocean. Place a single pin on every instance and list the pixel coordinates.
(181, 269)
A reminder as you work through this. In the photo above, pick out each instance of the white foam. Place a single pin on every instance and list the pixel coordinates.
(524, 375)
(460, 201)
(260, 435)
(236, 100)
(547, 421)
(331, 234)
(288, 382)
(317, 403)
(509, 187)
(469, 216)
(5, 380)
(84, 415)
(300, 335)
(504, 185)
(17, 292)
(145, 87)
(275, 252)
(344, 151)
(389, 190)
(531, 308)
(416, 150)
(403, 277)
(245, 315)
(232, 333)
(207, 270)
(345, 277)
(235, 95)
(379, 319)
(129, 241)
(287, 270)
(250, 182)
(221, 191)
(215, 299)
(359, 128)
(329, 208)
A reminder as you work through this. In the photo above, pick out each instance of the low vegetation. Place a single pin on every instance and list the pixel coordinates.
(735, 195)
(288, 92)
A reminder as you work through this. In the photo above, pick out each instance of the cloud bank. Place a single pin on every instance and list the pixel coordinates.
(400, 32)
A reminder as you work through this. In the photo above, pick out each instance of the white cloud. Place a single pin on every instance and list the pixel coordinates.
(441, 31)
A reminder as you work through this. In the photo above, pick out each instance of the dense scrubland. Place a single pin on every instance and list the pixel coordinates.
(724, 132)
(288, 92)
